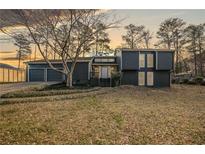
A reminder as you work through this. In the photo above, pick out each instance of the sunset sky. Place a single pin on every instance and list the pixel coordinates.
(150, 18)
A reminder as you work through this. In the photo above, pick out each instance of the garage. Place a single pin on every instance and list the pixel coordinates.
(53, 75)
(36, 75)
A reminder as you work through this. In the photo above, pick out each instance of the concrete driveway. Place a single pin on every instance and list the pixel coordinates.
(4, 88)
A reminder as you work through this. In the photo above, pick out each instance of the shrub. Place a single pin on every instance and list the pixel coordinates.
(203, 82)
(173, 80)
(185, 80)
(191, 81)
(199, 79)
(116, 78)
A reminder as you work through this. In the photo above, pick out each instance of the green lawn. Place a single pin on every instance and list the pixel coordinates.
(121, 115)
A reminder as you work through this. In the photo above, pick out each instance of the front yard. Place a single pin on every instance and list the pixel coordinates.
(121, 115)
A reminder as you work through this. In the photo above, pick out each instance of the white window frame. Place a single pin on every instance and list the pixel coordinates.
(140, 60)
(150, 81)
(150, 61)
(141, 82)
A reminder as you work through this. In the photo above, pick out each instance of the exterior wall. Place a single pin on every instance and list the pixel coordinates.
(164, 60)
(80, 74)
(162, 64)
(129, 78)
(130, 60)
(161, 78)
(37, 72)
(127, 62)
(53, 75)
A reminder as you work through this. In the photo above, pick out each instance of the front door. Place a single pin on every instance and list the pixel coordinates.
(104, 72)
(146, 68)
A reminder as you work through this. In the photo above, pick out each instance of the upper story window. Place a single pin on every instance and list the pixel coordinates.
(105, 60)
(150, 60)
(142, 60)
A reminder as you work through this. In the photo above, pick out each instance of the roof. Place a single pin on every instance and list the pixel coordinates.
(163, 50)
(2, 65)
(80, 59)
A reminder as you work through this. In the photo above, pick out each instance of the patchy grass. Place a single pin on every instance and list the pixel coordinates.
(124, 115)
(54, 96)
(40, 92)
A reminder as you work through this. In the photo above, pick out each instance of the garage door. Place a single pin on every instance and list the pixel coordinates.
(36, 75)
(53, 75)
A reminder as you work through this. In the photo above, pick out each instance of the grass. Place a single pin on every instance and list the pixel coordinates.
(122, 115)
(39, 93)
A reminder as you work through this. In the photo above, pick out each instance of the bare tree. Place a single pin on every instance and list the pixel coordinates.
(170, 33)
(147, 36)
(195, 40)
(67, 33)
(102, 39)
(23, 45)
(133, 36)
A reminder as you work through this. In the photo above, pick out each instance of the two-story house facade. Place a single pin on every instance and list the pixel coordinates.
(145, 67)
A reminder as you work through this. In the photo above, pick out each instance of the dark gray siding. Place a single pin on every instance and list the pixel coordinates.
(80, 74)
(53, 75)
(118, 59)
(161, 79)
(36, 75)
(164, 60)
(130, 60)
(129, 78)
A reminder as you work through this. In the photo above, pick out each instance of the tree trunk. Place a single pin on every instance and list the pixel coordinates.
(195, 65)
(132, 43)
(169, 45)
(35, 53)
(96, 45)
(147, 44)
(177, 55)
(201, 60)
(19, 63)
(69, 81)
(201, 64)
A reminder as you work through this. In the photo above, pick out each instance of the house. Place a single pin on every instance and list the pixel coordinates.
(145, 67)
(141, 67)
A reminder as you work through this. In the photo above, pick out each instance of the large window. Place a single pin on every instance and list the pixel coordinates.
(141, 78)
(150, 60)
(142, 60)
(150, 78)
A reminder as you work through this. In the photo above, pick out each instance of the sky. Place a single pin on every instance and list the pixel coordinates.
(150, 18)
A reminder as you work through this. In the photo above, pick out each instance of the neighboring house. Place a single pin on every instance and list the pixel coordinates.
(143, 67)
